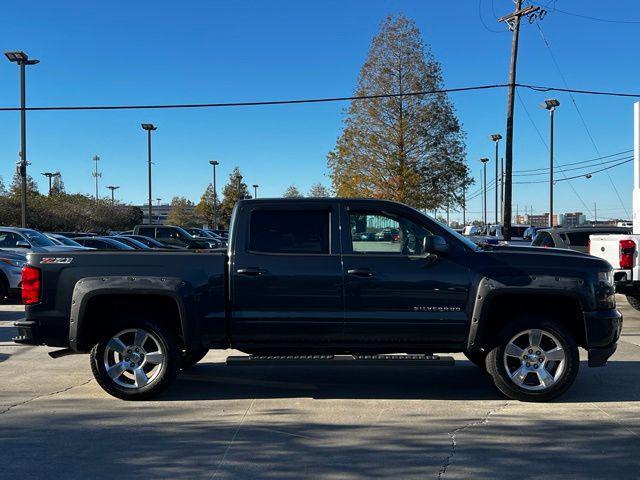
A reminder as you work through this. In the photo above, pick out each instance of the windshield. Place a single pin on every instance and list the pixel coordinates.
(38, 239)
(67, 241)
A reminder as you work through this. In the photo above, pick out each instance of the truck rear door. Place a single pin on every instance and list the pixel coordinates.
(286, 275)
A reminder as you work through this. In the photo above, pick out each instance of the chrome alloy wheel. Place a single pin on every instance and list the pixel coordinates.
(534, 359)
(134, 358)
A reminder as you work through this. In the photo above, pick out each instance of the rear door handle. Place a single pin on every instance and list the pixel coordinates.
(251, 271)
(361, 272)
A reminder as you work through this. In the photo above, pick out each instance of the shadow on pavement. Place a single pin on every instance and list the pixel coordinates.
(7, 333)
(620, 381)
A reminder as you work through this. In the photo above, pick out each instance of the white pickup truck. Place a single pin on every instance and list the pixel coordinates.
(621, 251)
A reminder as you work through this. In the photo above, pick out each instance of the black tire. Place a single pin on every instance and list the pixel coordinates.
(189, 359)
(477, 358)
(4, 288)
(634, 301)
(158, 382)
(495, 363)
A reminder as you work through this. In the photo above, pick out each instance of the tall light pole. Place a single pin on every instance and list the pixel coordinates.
(484, 203)
(255, 190)
(551, 105)
(158, 200)
(496, 139)
(149, 127)
(214, 163)
(22, 59)
(50, 175)
(96, 174)
(113, 188)
(239, 185)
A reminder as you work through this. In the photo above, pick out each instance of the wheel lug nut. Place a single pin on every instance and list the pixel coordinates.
(126, 359)
(137, 350)
(528, 364)
(535, 365)
(538, 352)
(132, 365)
(524, 357)
(541, 359)
(530, 351)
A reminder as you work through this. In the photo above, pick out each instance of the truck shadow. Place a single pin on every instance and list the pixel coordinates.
(620, 381)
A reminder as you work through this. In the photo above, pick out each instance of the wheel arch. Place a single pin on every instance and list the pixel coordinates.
(95, 302)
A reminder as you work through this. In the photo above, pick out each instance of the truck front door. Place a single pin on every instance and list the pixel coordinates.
(286, 276)
(396, 294)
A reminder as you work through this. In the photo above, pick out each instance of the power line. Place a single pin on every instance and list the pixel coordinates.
(487, 27)
(582, 174)
(575, 163)
(584, 123)
(537, 88)
(595, 19)
(572, 168)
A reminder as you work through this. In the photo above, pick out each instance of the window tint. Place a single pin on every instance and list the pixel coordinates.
(9, 239)
(543, 239)
(274, 231)
(146, 231)
(385, 234)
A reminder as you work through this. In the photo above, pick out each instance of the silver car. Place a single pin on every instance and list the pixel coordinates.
(26, 240)
(10, 273)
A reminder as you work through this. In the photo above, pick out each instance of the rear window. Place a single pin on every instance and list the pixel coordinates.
(146, 231)
(578, 239)
(298, 231)
(543, 239)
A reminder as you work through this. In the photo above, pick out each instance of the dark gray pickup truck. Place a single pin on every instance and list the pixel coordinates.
(326, 281)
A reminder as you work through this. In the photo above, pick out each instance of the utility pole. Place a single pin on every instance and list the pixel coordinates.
(96, 174)
(496, 139)
(595, 213)
(113, 188)
(149, 127)
(214, 163)
(551, 105)
(513, 22)
(464, 206)
(502, 188)
(484, 203)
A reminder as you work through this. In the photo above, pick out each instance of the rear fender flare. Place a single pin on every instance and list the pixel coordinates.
(92, 287)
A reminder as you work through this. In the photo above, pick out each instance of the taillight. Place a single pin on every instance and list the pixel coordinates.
(627, 252)
(31, 285)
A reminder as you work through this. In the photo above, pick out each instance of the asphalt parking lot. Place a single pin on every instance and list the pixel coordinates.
(343, 423)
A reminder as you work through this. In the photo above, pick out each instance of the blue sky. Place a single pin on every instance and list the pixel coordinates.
(212, 51)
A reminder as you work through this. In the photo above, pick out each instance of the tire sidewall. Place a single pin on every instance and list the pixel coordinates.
(495, 361)
(167, 374)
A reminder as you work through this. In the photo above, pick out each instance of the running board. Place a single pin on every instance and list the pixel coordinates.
(343, 360)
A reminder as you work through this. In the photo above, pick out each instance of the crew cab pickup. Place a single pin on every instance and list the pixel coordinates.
(621, 251)
(298, 286)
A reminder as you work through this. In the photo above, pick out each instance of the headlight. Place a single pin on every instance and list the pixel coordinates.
(606, 277)
(13, 263)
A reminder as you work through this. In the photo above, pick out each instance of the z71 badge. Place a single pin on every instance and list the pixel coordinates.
(56, 260)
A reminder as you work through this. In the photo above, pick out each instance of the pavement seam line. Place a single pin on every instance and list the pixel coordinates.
(10, 407)
(453, 433)
(613, 419)
(233, 438)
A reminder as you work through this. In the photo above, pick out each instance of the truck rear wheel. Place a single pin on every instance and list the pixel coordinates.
(634, 301)
(534, 361)
(136, 363)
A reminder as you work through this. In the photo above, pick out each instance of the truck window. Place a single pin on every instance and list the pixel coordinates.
(543, 239)
(381, 233)
(147, 231)
(289, 231)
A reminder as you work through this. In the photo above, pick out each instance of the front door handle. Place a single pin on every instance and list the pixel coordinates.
(361, 272)
(251, 271)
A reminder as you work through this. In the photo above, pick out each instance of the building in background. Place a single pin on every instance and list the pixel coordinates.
(159, 213)
(572, 219)
(536, 220)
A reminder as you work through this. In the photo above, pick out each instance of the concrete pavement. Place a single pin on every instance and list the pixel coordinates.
(343, 423)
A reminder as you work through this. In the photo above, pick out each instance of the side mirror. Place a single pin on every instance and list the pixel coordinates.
(22, 244)
(434, 244)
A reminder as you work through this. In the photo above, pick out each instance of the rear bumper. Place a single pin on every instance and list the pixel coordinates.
(34, 332)
(603, 329)
(27, 332)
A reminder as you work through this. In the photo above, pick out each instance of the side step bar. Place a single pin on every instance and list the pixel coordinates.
(342, 360)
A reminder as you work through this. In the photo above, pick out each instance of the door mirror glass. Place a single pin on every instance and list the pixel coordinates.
(435, 244)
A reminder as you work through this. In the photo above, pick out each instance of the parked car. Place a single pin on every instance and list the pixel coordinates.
(11, 273)
(28, 240)
(202, 234)
(573, 238)
(294, 288)
(149, 242)
(173, 236)
(471, 230)
(76, 234)
(103, 243)
(530, 233)
(62, 240)
(132, 242)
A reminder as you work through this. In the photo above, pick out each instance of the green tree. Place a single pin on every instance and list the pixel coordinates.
(292, 192)
(57, 185)
(3, 188)
(16, 185)
(318, 190)
(182, 213)
(401, 147)
(230, 196)
(205, 208)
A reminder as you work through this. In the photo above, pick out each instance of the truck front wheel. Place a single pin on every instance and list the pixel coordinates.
(136, 363)
(634, 301)
(534, 360)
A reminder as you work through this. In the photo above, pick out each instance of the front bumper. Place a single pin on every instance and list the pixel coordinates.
(603, 328)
